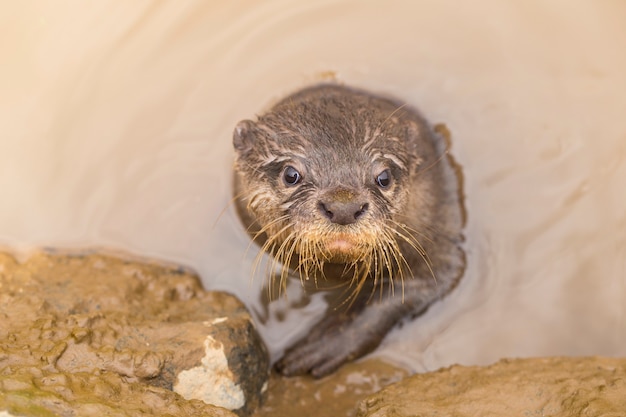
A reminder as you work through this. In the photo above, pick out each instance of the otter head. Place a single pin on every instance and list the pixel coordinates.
(324, 176)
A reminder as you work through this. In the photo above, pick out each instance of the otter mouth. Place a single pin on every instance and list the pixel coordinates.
(340, 245)
(340, 256)
(342, 248)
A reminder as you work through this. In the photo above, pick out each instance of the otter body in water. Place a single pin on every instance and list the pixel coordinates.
(354, 192)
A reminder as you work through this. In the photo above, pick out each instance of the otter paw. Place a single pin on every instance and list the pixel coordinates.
(337, 339)
(319, 357)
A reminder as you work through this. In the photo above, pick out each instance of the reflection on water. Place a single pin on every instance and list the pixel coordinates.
(116, 121)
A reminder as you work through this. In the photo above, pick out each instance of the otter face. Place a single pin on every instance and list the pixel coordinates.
(326, 180)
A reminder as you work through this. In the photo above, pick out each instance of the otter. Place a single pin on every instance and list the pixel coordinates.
(354, 193)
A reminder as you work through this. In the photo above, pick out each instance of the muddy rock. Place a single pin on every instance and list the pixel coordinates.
(92, 334)
(335, 395)
(556, 387)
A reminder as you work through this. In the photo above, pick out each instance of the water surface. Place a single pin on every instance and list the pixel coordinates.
(116, 121)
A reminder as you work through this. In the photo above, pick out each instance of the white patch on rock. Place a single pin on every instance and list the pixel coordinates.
(211, 381)
(217, 321)
(6, 414)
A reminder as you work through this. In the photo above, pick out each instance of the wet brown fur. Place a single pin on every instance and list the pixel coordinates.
(405, 245)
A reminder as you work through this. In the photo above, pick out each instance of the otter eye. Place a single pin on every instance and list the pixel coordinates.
(384, 179)
(291, 176)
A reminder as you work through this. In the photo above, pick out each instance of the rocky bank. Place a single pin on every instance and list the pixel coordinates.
(101, 335)
(95, 335)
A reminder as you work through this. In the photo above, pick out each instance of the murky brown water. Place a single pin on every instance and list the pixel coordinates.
(116, 121)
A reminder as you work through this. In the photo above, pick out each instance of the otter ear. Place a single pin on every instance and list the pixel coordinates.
(243, 136)
(442, 130)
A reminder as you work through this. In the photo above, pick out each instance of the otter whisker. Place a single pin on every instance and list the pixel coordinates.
(268, 274)
(413, 243)
(267, 245)
(385, 265)
(318, 262)
(398, 257)
(408, 235)
(445, 153)
(271, 267)
(309, 263)
(360, 277)
(272, 239)
(354, 267)
(382, 124)
(434, 237)
(270, 226)
(289, 254)
(270, 246)
(412, 231)
(230, 202)
(377, 273)
(278, 262)
(286, 251)
(375, 267)
(304, 266)
(392, 264)
(304, 259)
(258, 235)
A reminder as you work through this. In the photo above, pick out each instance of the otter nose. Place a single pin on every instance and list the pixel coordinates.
(342, 212)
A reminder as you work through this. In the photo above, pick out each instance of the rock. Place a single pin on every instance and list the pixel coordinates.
(93, 334)
(336, 394)
(556, 387)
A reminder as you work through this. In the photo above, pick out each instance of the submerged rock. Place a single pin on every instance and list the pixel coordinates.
(556, 387)
(335, 395)
(101, 335)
